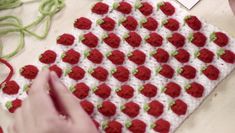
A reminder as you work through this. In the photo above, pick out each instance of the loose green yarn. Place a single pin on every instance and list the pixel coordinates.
(9, 4)
(12, 24)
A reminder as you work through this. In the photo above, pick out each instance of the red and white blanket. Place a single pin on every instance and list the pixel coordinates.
(136, 66)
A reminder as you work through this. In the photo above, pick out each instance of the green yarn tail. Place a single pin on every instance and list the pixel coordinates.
(10, 24)
(9, 4)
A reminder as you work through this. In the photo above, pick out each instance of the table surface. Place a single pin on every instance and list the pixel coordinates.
(215, 115)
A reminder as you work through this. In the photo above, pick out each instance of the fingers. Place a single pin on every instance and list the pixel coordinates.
(38, 112)
(29, 120)
(66, 99)
(40, 102)
(19, 121)
(40, 83)
(70, 104)
(232, 5)
(11, 129)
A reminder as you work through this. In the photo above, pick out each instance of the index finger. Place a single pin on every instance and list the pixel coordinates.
(40, 101)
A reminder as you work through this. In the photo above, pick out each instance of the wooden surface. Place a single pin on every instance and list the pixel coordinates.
(215, 115)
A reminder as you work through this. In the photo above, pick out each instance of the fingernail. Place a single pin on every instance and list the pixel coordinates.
(45, 71)
(54, 75)
(56, 79)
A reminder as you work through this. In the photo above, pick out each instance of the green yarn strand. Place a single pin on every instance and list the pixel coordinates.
(44, 34)
(9, 4)
(18, 48)
(11, 24)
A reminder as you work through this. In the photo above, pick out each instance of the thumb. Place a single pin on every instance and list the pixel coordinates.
(65, 100)
(232, 5)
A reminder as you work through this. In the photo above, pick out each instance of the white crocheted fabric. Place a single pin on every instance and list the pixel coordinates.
(173, 118)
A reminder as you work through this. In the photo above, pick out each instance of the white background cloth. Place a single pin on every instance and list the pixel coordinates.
(217, 113)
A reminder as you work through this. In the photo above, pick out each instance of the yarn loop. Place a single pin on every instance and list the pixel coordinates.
(12, 24)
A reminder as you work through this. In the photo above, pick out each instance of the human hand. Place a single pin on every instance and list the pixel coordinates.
(232, 5)
(41, 113)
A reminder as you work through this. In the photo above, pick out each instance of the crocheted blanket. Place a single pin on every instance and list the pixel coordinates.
(135, 66)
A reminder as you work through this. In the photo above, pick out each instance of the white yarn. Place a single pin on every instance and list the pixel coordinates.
(157, 80)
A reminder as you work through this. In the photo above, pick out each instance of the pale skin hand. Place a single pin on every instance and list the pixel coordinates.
(232, 4)
(40, 112)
